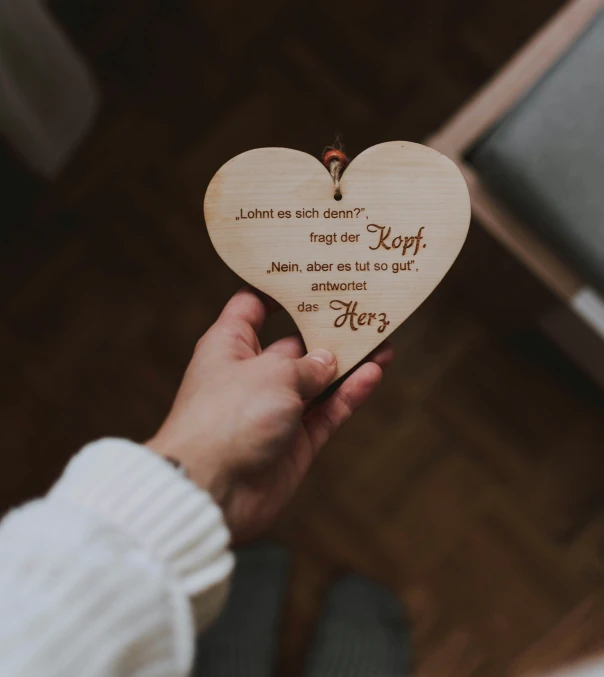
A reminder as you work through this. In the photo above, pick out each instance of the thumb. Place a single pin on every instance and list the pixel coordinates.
(315, 372)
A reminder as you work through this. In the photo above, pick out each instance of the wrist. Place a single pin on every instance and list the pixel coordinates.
(194, 465)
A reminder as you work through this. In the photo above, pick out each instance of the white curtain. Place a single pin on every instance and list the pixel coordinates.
(48, 98)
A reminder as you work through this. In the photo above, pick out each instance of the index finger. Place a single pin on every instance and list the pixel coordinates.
(250, 306)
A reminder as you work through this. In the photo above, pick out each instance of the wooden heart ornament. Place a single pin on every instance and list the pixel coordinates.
(348, 271)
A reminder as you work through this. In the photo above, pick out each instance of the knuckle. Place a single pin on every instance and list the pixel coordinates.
(288, 371)
(272, 361)
(329, 423)
(236, 330)
(346, 405)
(279, 368)
(296, 405)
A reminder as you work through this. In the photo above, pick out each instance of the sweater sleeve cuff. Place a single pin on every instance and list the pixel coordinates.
(163, 512)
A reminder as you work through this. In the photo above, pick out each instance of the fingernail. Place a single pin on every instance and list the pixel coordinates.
(323, 356)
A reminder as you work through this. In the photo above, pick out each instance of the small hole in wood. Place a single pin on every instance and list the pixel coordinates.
(337, 196)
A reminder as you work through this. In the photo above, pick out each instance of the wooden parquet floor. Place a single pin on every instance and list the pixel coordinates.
(473, 482)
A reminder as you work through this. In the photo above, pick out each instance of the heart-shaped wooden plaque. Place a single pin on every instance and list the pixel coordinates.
(348, 271)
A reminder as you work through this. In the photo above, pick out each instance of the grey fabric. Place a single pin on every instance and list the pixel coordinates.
(545, 159)
(243, 641)
(362, 634)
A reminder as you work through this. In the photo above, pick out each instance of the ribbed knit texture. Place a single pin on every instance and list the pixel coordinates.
(97, 579)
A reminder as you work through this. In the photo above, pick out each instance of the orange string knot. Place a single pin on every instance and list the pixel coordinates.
(334, 154)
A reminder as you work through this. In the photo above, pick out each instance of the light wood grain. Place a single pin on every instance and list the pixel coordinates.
(385, 246)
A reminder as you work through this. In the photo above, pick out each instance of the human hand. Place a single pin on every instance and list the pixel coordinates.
(240, 423)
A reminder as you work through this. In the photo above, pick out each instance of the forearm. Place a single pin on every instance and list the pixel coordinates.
(112, 573)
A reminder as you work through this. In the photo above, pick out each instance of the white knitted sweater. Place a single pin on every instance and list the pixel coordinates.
(113, 572)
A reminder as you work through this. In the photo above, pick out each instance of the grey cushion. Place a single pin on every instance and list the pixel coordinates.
(546, 157)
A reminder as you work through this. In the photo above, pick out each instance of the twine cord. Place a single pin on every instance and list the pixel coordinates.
(335, 169)
(335, 161)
